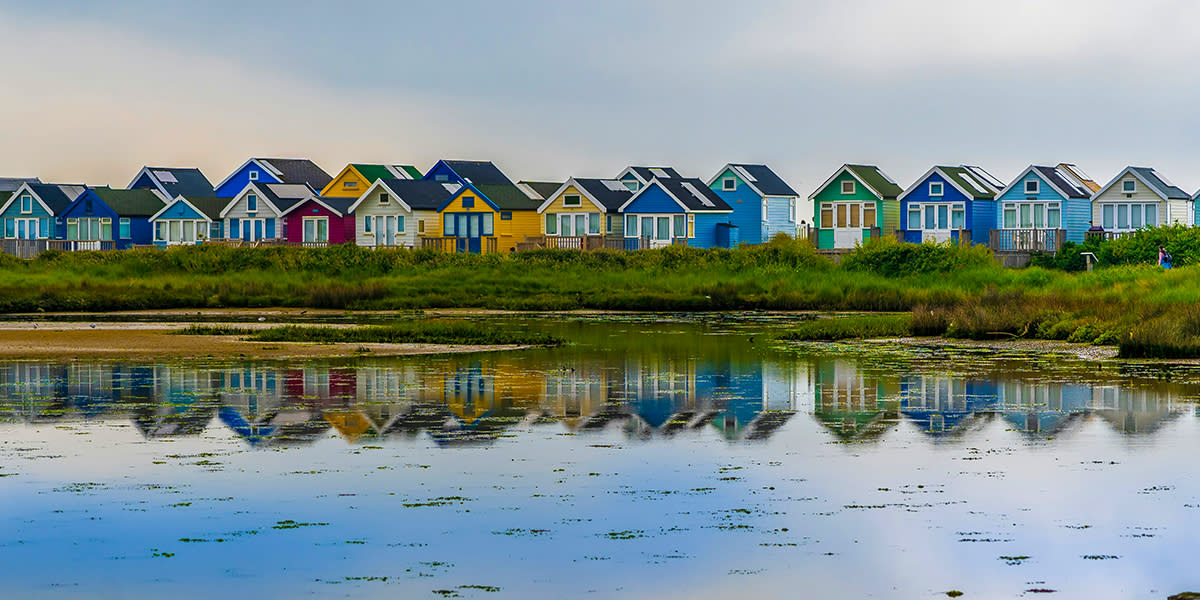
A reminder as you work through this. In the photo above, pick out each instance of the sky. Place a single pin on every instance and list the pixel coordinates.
(554, 89)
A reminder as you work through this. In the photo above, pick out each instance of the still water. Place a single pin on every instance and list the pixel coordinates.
(673, 459)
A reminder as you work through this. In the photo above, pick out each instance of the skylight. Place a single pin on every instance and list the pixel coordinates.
(974, 184)
(699, 196)
(166, 176)
(452, 187)
(745, 174)
(614, 186)
(661, 174)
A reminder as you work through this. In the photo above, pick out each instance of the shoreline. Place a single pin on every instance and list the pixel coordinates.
(78, 340)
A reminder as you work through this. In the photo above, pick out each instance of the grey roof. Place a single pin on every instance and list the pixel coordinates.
(131, 203)
(766, 181)
(10, 184)
(188, 181)
(646, 174)
(479, 172)
(341, 205)
(283, 196)
(299, 170)
(211, 206)
(53, 196)
(689, 199)
(610, 198)
(1165, 189)
(419, 194)
(542, 188)
(1051, 175)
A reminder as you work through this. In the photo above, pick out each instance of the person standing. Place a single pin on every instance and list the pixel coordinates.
(1164, 258)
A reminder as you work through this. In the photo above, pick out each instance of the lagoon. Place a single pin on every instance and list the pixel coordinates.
(655, 456)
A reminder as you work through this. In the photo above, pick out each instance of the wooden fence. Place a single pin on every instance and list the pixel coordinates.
(1026, 240)
(487, 245)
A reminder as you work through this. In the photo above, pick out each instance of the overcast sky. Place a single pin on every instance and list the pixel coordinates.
(552, 89)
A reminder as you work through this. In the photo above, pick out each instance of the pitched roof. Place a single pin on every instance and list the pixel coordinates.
(10, 184)
(479, 172)
(131, 203)
(508, 196)
(1153, 180)
(1073, 172)
(692, 193)
(298, 170)
(760, 178)
(543, 189)
(54, 196)
(285, 195)
(420, 194)
(647, 173)
(374, 173)
(969, 183)
(1066, 183)
(876, 179)
(175, 181)
(209, 206)
(611, 197)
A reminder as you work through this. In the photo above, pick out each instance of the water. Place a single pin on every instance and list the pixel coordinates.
(687, 459)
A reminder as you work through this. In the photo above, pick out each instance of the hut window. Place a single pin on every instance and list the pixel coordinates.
(367, 224)
(729, 184)
(123, 228)
(253, 175)
(847, 187)
(1032, 187)
(593, 223)
(958, 217)
(868, 215)
(441, 178)
(399, 223)
(551, 224)
(487, 224)
(572, 200)
(26, 203)
(631, 226)
(506, 216)
(468, 202)
(1127, 186)
(935, 188)
(383, 198)
(914, 216)
(421, 226)
(251, 203)
(826, 215)
(349, 184)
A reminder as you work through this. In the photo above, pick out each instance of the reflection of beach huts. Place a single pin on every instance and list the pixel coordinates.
(940, 405)
(852, 405)
(1042, 408)
(1133, 411)
(34, 392)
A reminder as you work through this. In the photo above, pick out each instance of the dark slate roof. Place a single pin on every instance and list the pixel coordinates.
(52, 196)
(479, 172)
(131, 203)
(508, 197)
(299, 170)
(1051, 175)
(611, 199)
(685, 195)
(1163, 187)
(341, 205)
(876, 180)
(545, 189)
(10, 184)
(766, 181)
(188, 181)
(419, 194)
(211, 206)
(645, 174)
(282, 201)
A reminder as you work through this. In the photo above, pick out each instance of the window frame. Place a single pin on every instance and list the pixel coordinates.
(729, 184)
(1037, 187)
(941, 189)
(852, 189)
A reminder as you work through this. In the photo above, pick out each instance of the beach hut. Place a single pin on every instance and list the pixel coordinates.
(954, 204)
(354, 180)
(856, 203)
(763, 204)
(1042, 208)
(677, 211)
(273, 170)
(186, 221)
(396, 213)
(102, 218)
(584, 208)
(1140, 197)
(319, 220)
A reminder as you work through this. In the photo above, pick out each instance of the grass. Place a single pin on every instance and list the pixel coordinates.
(416, 332)
(948, 291)
(850, 327)
(456, 333)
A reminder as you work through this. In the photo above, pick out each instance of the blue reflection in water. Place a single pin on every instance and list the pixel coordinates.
(673, 470)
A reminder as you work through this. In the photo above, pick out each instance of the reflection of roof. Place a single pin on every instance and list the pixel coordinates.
(350, 424)
(173, 420)
(1136, 421)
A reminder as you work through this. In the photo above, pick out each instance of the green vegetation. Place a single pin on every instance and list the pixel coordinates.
(850, 327)
(950, 291)
(415, 332)
(407, 333)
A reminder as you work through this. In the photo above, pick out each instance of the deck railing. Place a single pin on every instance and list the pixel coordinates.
(487, 245)
(1027, 240)
(1107, 235)
(32, 248)
(565, 242)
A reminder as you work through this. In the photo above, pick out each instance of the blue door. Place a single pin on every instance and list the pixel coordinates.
(246, 230)
(469, 228)
(258, 230)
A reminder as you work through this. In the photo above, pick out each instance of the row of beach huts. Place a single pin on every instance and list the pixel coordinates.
(472, 206)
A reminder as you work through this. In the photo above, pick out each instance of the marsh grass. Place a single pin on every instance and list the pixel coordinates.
(850, 327)
(455, 333)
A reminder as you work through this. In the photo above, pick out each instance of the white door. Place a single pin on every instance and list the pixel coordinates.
(847, 225)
